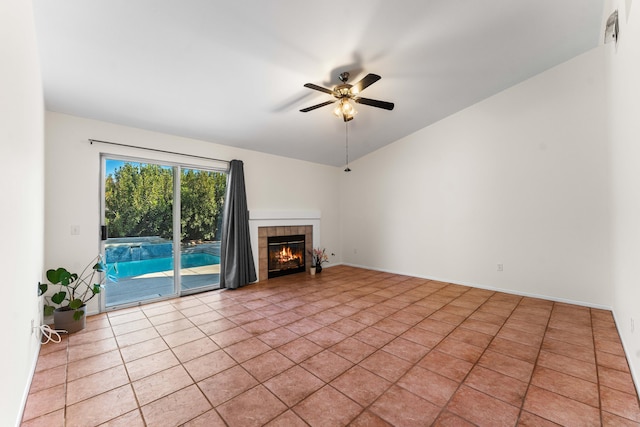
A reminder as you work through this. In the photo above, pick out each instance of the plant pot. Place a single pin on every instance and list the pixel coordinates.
(318, 268)
(312, 271)
(63, 320)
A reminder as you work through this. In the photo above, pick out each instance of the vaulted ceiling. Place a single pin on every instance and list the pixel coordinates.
(232, 72)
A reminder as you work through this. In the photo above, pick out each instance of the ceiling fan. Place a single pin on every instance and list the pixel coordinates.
(345, 93)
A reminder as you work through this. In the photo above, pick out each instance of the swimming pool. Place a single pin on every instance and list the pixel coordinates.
(155, 265)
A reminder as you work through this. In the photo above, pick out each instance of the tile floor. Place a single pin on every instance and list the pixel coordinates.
(346, 347)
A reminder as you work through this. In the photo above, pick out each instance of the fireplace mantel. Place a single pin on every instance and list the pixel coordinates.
(266, 218)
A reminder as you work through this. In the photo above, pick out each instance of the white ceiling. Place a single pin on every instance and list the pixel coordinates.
(232, 72)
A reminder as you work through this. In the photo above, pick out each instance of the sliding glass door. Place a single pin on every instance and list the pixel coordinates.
(202, 195)
(161, 229)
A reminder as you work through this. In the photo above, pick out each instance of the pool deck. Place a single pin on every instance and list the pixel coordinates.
(155, 285)
(191, 271)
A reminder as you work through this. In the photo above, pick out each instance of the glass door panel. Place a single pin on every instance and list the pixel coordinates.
(138, 214)
(202, 194)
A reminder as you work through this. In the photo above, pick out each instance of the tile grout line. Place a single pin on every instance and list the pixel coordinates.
(460, 384)
(535, 365)
(595, 355)
(181, 364)
(395, 383)
(325, 383)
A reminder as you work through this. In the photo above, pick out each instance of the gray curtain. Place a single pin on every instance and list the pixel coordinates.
(236, 259)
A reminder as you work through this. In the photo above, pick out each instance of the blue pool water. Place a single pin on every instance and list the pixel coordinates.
(155, 265)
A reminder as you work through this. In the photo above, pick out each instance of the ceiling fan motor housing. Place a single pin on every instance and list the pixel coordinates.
(343, 91)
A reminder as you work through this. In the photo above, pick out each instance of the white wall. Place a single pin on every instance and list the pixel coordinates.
(73, 180)
(21, 192)
(520, 179)
(624, 63)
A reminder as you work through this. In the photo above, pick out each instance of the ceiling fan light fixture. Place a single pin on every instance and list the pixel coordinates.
(345, 110)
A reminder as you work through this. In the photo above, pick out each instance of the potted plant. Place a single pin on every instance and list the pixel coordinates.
(319, 257)
(69, 302)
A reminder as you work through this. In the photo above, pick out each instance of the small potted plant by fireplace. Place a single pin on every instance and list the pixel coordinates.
(319, 257)
(74, 291)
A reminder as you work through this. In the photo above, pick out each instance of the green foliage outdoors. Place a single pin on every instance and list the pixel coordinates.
(139, 202)
(201, 205)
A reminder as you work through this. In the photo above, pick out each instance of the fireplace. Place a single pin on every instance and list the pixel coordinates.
(286, 255)
(268, 231)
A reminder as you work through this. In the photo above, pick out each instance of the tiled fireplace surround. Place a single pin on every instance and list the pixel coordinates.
(265, 232)
(264, 224)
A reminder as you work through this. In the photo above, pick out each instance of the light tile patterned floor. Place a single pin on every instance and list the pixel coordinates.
(348, 346)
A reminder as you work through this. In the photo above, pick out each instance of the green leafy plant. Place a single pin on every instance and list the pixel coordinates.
(75, 290)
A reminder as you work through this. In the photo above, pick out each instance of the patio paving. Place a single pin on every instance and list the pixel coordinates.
(155, 285)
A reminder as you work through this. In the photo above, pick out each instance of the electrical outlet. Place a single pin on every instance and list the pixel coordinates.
(500, 267)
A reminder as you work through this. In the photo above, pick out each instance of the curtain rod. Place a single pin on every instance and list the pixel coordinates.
(91, 141)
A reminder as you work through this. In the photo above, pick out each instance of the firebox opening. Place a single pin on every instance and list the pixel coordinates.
(286, 255)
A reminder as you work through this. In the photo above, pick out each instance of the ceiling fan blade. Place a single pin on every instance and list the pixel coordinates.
(375, 103)
(366, 81)
(320, 88)
(313, 107)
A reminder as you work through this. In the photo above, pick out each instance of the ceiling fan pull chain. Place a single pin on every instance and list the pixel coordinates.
(346, 131)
